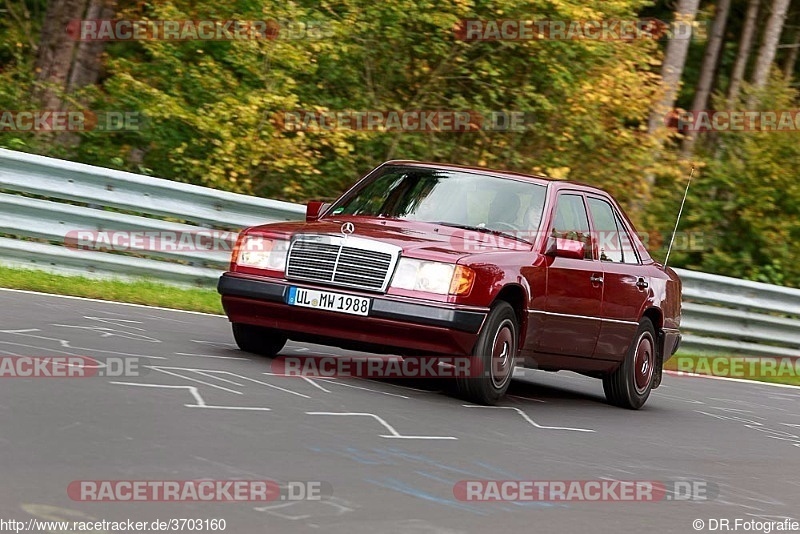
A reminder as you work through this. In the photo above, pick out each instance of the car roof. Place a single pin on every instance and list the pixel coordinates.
(534, 178)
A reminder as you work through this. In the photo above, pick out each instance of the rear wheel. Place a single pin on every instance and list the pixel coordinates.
(258, 340)
(630, 385)
(492, 361)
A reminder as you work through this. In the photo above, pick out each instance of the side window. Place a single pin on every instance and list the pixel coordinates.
(628, 252)
(572, 222)
(613, 240)
(608, 235)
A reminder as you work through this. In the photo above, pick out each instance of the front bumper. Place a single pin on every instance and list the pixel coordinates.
(391, 323)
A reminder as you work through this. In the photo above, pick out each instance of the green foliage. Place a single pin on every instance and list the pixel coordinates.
(748, 201)
(213, 107)
(18, 34)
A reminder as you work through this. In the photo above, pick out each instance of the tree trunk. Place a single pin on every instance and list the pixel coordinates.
(674, 62)
(745, 48)
(708, 69)
(65, 64)
(56, 49)
(671, 74)
(87, 63)
(791, 57)
(769, 44)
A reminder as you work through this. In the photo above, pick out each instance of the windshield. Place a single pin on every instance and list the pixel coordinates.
(448, 197)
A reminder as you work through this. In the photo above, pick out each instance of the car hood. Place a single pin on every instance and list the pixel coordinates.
(417, 239)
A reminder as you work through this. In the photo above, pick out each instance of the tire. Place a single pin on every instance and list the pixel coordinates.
(492, 358)
(630, 384)
(258, 340)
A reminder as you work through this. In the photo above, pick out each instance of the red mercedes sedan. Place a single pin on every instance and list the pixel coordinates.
(498, 268)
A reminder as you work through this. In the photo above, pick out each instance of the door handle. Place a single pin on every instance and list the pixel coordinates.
(642, 284)
(596, 279)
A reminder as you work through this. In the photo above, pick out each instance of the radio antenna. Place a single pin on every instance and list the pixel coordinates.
(677, 222)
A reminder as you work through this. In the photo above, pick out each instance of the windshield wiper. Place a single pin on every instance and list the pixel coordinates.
(483, 230)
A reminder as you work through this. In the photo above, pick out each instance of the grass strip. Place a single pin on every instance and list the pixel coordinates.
(132, 291)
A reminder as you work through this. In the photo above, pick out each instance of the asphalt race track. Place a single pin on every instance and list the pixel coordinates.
(388, 453)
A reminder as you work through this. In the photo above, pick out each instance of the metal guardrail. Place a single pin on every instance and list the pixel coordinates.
(723, 314)
(50, 199)
(46, 199)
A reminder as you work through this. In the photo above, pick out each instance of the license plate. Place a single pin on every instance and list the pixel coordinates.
(327, 300)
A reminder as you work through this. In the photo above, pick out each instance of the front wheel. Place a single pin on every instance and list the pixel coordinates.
(492, 362)
(258, 340)
(630, 385)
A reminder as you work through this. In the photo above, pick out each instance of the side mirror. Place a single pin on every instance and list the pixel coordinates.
(314, 208)
(566, 248)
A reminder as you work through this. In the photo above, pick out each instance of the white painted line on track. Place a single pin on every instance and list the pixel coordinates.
(394, 434)
(527, 398)
(61, 351)
(273, 386)
(216, 372)
(210, 375)
(210, 356)
(307, 379)
(215, 343)
(66, 344)
(243, 408)
(198, 399)
(160, 370)
(190, 389)
(399, 386)
(363, 388)
(315, 384)
(528, 419)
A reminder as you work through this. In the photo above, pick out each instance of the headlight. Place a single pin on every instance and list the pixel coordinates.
(261, 253)
(433, 277)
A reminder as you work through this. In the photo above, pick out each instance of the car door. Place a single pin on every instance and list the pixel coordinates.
(569, 324)
(625, 288)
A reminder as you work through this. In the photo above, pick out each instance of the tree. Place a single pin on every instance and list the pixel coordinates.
(746, 203)
(708, 68)
(55, 51)
(791, 58)
(87, 61)
(745, 48)
(206, 101)
(673, 65)
(64, 63)
(769, 44)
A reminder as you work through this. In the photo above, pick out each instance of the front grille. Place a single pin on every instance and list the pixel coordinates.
(333, 260)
